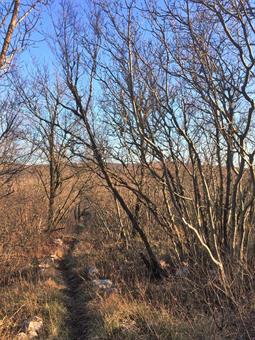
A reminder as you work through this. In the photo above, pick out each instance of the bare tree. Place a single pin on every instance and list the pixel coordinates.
(52, 136)
(178, 108)
(12, 154)
(213, 69)
(180, 103)
(78, 51)
(18, 19)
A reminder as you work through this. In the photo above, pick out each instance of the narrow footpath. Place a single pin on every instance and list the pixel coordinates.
(76, 322)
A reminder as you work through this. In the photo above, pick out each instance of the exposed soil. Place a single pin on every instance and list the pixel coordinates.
(76, 322)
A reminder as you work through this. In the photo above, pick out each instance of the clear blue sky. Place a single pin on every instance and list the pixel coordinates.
(38, 51)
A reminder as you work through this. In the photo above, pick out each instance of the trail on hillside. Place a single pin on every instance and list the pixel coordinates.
(76, 322)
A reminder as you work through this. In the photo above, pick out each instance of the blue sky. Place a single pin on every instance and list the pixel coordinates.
(38, 51)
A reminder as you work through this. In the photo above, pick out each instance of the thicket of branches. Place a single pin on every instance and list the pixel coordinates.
(18, 20)
(164, 94)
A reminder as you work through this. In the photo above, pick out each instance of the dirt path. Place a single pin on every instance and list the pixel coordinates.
(76, 323)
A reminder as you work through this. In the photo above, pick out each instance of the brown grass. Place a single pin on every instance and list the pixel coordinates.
(188, 307)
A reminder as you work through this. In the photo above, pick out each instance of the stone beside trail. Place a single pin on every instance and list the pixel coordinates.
(62, 264)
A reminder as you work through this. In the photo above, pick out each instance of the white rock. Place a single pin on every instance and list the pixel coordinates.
(34, 327)
(103, 284)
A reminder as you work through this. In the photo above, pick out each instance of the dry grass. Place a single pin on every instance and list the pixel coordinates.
(125, 318)
(137, 308)
(23, 244)
(25, 300)
(189, 307)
